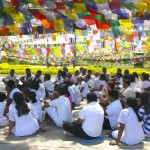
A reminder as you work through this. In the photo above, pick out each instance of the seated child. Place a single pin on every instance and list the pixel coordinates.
(130, 130)
(3, 118)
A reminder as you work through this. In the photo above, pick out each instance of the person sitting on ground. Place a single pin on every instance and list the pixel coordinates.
(144, 112)
(136, 77)
(96, 82)
(119, 80)
(102, 84)
(128, 91)
(74, 77)
(59, 80)
(104, 71)
(12, 76)
(35, 105)
(27, 78)
(112, 111)
(59, 109)
(22, 119)
(38, 75)
(84, 73)
(3, 117)
(49, 86)
(25, 92)
(69, 77)
(130, 128)
(83, 87)
(89, 72)
(65, 69)
(146, 82)
(90, 121)
(89, 81)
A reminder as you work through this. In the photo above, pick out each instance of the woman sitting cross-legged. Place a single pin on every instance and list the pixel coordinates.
(90, 121)
(23, 121)
(130, 129)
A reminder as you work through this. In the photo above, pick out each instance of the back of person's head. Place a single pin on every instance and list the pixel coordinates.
(35, 84)
(61, 89)
(32, 96)
(135, 75)
(21, 106)
(11, 84)
(119, 70)
(47, 76)
(2, 96)
(103, 77)
(132, 78)
(91, 97)
(126, 72)
(132, 102)
(113, 94)
(89, 72)
(146, 76)
(127, 82)
(111, 85)
(68, 82)
(145, 101)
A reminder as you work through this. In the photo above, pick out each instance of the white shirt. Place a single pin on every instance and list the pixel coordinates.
(37, 109)
(86, 89)
(49, 86)
(144, 85)
(104, 84)
(13, 92)
(90, 84)
(129, 92)
(93, 116)
(24, 125)
(133, 132)
(42, 90)
(62, 105)
(9, 77)
(72, 94)
(96, 83)
(26, 78)
(59, 81)
(78, 95)
(113, 110)
(2, 109)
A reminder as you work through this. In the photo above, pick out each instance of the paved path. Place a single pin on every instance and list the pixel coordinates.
(55, 139)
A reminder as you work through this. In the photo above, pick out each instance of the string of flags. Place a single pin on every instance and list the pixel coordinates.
(26, 17)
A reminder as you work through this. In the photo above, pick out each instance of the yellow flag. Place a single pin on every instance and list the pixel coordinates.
(87, 42)
(18, 18)
(14, 29)
(141, 6)
(71, 16)
(59, 25)
(9, 9)
(54, 36)
(99, 1)
(79, 7)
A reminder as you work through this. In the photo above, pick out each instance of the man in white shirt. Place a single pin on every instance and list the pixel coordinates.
(49, 86)
(128, 90)
(90, 121)
(112, 111)
(83, 87)
(59, 109)
(12, 76)
(89, 81)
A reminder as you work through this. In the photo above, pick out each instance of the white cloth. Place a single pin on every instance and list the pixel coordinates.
(26, 78)
(144, 85)
(9, 77)
(62, 111)
(90, 84)
(93, 116)
(86, 89)
(13, 92)
(78, 95)
(37, 109)
(113, 110)
(42, 90)
(24, 125)
(3, 119)
(133, 132)
(59, 80)
(72, 94)
(49, 86)
(129, 92)
(96, 83)
(104, 84)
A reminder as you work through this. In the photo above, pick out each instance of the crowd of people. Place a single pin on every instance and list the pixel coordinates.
(119, 103)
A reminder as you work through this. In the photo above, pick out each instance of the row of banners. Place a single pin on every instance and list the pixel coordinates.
(26, 17)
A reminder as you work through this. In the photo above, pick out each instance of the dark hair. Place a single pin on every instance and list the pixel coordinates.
(132, 78)
(89, 71)
(113, 94)
(61, 89)
(28, 69)
(11, 84)
(103, 77)
(145, 76)
(126, 71)
(88, 76)
(91, 97)
(21, 106)
(68, 82)
(2, 96)
(111, 84)
(32, 96)
(127, 81)
(132, 102)
(135, 75)
(12, 70)
(47, 76)
(119, 69)
(125, 77)
(35, 84)
(145, 101)
(25, 90)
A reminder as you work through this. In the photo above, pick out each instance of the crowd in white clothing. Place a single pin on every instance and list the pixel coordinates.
(117, 102)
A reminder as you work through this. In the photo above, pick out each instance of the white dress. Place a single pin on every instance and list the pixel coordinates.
(24, 125)
(133, 132)
(3, 119)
